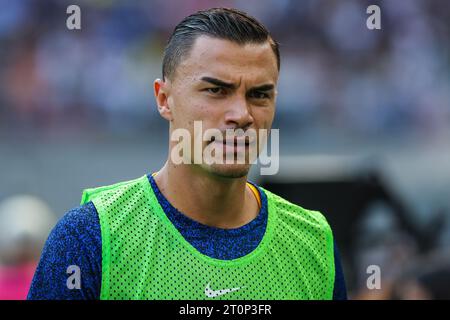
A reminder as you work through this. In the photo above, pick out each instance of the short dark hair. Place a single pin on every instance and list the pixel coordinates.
(222, 23)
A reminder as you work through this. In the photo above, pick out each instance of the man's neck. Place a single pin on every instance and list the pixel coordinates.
(214, 201)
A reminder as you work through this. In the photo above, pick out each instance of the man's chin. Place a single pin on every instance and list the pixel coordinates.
(228, 170)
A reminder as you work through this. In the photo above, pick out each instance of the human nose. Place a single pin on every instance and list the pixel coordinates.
(238, 114)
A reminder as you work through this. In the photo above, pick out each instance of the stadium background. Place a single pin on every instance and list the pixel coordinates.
(364, 120)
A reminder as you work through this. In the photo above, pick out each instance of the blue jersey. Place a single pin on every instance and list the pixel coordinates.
(76, 240)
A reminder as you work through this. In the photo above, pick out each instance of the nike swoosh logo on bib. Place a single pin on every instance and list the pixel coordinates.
(216, 293)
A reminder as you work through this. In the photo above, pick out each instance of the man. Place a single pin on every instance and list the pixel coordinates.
(198, 230)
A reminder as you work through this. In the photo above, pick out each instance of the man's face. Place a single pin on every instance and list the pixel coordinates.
(225, 86)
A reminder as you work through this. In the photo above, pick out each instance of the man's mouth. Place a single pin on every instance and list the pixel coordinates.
(234, 141)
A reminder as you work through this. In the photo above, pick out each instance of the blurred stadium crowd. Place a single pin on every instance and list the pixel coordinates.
(335, 72)
(336, 76)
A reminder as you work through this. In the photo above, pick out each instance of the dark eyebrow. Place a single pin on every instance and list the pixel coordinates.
(264, 87)
(218, 82)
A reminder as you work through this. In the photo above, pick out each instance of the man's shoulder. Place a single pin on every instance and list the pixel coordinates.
(121, 188)
(74, 241)
(292, 210)
(83, 218)
(77, 227)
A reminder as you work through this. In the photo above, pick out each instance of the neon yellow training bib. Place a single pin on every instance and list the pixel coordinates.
(145, 257)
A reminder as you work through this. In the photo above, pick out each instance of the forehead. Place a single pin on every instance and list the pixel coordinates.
(229, 60)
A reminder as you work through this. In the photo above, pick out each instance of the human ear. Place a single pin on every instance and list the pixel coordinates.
(162, 89)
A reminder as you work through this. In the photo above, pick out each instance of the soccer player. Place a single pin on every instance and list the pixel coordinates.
(198, 230)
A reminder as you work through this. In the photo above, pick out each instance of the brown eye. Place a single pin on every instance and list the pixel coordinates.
(216, 91)
(259, 95)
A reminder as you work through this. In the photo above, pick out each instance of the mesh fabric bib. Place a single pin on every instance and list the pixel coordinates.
(145, 257)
